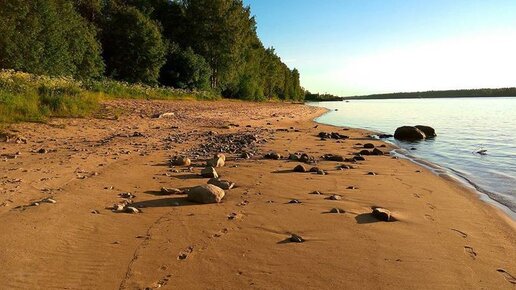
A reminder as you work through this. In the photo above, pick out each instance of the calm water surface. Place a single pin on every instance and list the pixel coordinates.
(463, 126)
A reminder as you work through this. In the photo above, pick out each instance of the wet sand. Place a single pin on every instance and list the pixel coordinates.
(443, 236)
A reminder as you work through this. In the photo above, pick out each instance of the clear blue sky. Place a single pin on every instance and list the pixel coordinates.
(349, 47)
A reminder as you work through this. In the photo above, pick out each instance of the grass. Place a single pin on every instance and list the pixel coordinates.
(33, 98)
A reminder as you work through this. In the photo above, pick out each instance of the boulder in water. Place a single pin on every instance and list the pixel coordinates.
(429, 131)
(409, 133)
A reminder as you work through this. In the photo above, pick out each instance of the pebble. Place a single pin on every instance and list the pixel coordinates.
(335, 197)
(296, 239)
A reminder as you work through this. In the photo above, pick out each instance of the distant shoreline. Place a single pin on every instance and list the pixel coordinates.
(473, 93)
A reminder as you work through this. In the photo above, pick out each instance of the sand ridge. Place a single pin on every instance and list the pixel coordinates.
(444, 237)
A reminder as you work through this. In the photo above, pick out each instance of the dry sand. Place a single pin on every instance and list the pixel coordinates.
(445, 237)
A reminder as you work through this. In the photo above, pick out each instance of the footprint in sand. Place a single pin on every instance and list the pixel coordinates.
(510, 278)
(429, 217)
(460, 233)
(431, 206)
(470, 251)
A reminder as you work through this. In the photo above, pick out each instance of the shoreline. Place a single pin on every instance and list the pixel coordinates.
(440, 171)
(443, 235)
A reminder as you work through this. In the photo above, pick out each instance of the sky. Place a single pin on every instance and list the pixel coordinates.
(356, 47)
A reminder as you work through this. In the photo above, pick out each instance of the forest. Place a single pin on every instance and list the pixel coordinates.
(467, 93)
(205, 45)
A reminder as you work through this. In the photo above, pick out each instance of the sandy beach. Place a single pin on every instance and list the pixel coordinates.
(58, 229)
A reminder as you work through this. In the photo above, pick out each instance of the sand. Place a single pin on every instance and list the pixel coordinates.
(444, 236)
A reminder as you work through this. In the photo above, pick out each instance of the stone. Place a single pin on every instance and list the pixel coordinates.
(321, 172)
(316, 192)
(273, 156)
(296, 239)
(293, 157)
(206, 194)
(429, 131)
(299, 168)
(359, 158)
(377, 152)
(294, 201)
(305, 158)
(335, 197)
(224, 184)
(364, 152)
(246, 155)
(130, 209)
(163, 115)
(369, 146)
(219, 160)
(332, 157)
(209, 172)
(314, 169)
(371, 173)
(409, 133)
(382, 214)
(336, 210)
(180, 161)
(127, 195)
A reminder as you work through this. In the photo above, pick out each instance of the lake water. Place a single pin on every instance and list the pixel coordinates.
(463, 126)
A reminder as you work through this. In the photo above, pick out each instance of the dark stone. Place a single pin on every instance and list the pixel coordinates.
(385, 136)
(364, 152)
(382, 214)
(299, 168)
(369, 146)
(377, 151)
(331, 157)
(429, 131)
(296, 239)
(336, 210)
(359, 158)
(409, 133)
(272, 155)
(314, 169)
(294, 201)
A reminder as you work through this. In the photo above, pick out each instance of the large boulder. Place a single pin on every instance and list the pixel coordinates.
(409, 133)
(208, 193)
(224, 184)
(429, 131)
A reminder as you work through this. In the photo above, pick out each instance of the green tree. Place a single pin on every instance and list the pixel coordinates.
(48, 37)
(185, 69)
(134, 49)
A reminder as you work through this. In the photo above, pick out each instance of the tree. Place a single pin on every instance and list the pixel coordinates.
(134, 49)
(185, 69)
(48, 37)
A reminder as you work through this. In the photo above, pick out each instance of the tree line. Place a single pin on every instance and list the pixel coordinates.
(188, 44)
(464, 93)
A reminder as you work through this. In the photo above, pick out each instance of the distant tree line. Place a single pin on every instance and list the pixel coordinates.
(317, 97)
(470, 93)
(190, 44)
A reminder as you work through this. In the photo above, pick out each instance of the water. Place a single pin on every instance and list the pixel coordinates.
(463, 127)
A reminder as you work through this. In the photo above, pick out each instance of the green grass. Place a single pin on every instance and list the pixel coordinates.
(28, 97)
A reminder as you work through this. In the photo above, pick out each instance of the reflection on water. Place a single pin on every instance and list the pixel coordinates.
(464, 126)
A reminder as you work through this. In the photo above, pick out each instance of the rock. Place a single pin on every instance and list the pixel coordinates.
(49, 200)
(336, 210)
(206, 194)
(371, 173)
(344, 166)
(359, 158)
(42, 151)
(294, 201)
(377, 152)
(219, 160)
(332, 157)
(429, 131)
(224, 184)
(369, 146)
(163, 115)
(127, 195)
(335, 197)
(299, 168)
(409, 133)
(332, 135)
(272, 155)
(296, 239)
(316, 192)
(382, 214)
(314, 169)
(305, 158)
(321, 172)
(180, 161)
(118, 207)
(364, 152)
(293, 157)
(385, 136)
(209, 172)
(130, 209)
(167, 191)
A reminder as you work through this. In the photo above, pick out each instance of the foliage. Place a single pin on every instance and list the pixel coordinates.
(186, 70)
(134, 49)
(28, 97)
(48, 37)
(471, 93)
(321, 97)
